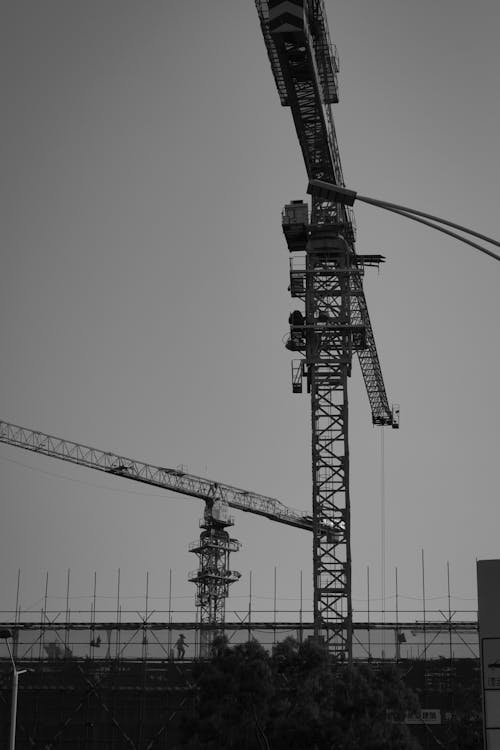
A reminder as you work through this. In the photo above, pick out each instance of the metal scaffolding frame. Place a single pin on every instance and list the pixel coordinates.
(102, 679)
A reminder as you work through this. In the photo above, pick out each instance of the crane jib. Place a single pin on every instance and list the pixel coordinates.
(157, 476)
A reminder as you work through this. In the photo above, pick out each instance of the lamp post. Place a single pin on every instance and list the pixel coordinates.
(341, 194)
(6, 634)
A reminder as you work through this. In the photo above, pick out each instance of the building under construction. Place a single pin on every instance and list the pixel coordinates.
(122, 685)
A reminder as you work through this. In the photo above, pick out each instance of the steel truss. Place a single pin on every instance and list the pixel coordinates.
(327, 280)
(329, 344)
(213, 576)
(138, 471)
(337, 323)
(329, 337)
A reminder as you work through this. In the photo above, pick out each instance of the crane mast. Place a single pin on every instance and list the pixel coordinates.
(326, 276)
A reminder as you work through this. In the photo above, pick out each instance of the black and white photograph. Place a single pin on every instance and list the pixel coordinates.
(249, 410)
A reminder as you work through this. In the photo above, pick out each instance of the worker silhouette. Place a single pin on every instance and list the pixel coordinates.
(181, 646)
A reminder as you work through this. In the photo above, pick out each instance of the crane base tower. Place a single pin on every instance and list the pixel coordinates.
(327, 335)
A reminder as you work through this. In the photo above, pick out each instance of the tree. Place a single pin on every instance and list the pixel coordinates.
(464, 730)
(235, 691)
(296, 699)
(331, 706)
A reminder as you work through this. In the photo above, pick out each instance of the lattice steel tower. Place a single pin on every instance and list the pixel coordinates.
(214, 575)
(326, 275)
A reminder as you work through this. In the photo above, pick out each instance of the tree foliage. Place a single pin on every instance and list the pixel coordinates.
(235, 692)
(298, 698)
(465, 729)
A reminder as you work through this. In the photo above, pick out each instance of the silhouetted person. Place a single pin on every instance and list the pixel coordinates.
(181, 646)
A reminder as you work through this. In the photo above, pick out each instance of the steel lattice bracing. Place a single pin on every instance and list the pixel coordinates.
(138, 471)
(297, 61)
(329, 339)
(328, 357)
(322, 279)
(368, 358)
(328, 281)
(214, 575)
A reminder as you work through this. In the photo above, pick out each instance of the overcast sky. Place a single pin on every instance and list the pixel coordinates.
(146, 159)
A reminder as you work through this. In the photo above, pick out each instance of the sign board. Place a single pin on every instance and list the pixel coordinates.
(488, 589)
(490, 655)
(425, 716)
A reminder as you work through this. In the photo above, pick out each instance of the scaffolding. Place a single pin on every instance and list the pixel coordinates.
(104, 676)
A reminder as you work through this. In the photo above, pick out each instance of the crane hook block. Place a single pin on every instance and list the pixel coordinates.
(395, 417)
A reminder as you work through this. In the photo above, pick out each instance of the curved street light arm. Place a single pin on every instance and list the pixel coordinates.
(343, 195)
(407, 211)
(409, 215)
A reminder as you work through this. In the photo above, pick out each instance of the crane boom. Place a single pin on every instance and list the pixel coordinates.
(305, 65)
(369, 362)
(157, 476)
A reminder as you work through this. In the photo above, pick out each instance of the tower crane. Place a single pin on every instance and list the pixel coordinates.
(326, 276)
(213, 575)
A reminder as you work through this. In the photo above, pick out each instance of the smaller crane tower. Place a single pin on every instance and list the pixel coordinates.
(213, 576)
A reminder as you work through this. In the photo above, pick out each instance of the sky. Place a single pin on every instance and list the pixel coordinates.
(146, 160)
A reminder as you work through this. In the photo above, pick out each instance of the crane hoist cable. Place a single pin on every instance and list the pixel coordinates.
(383, 538)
